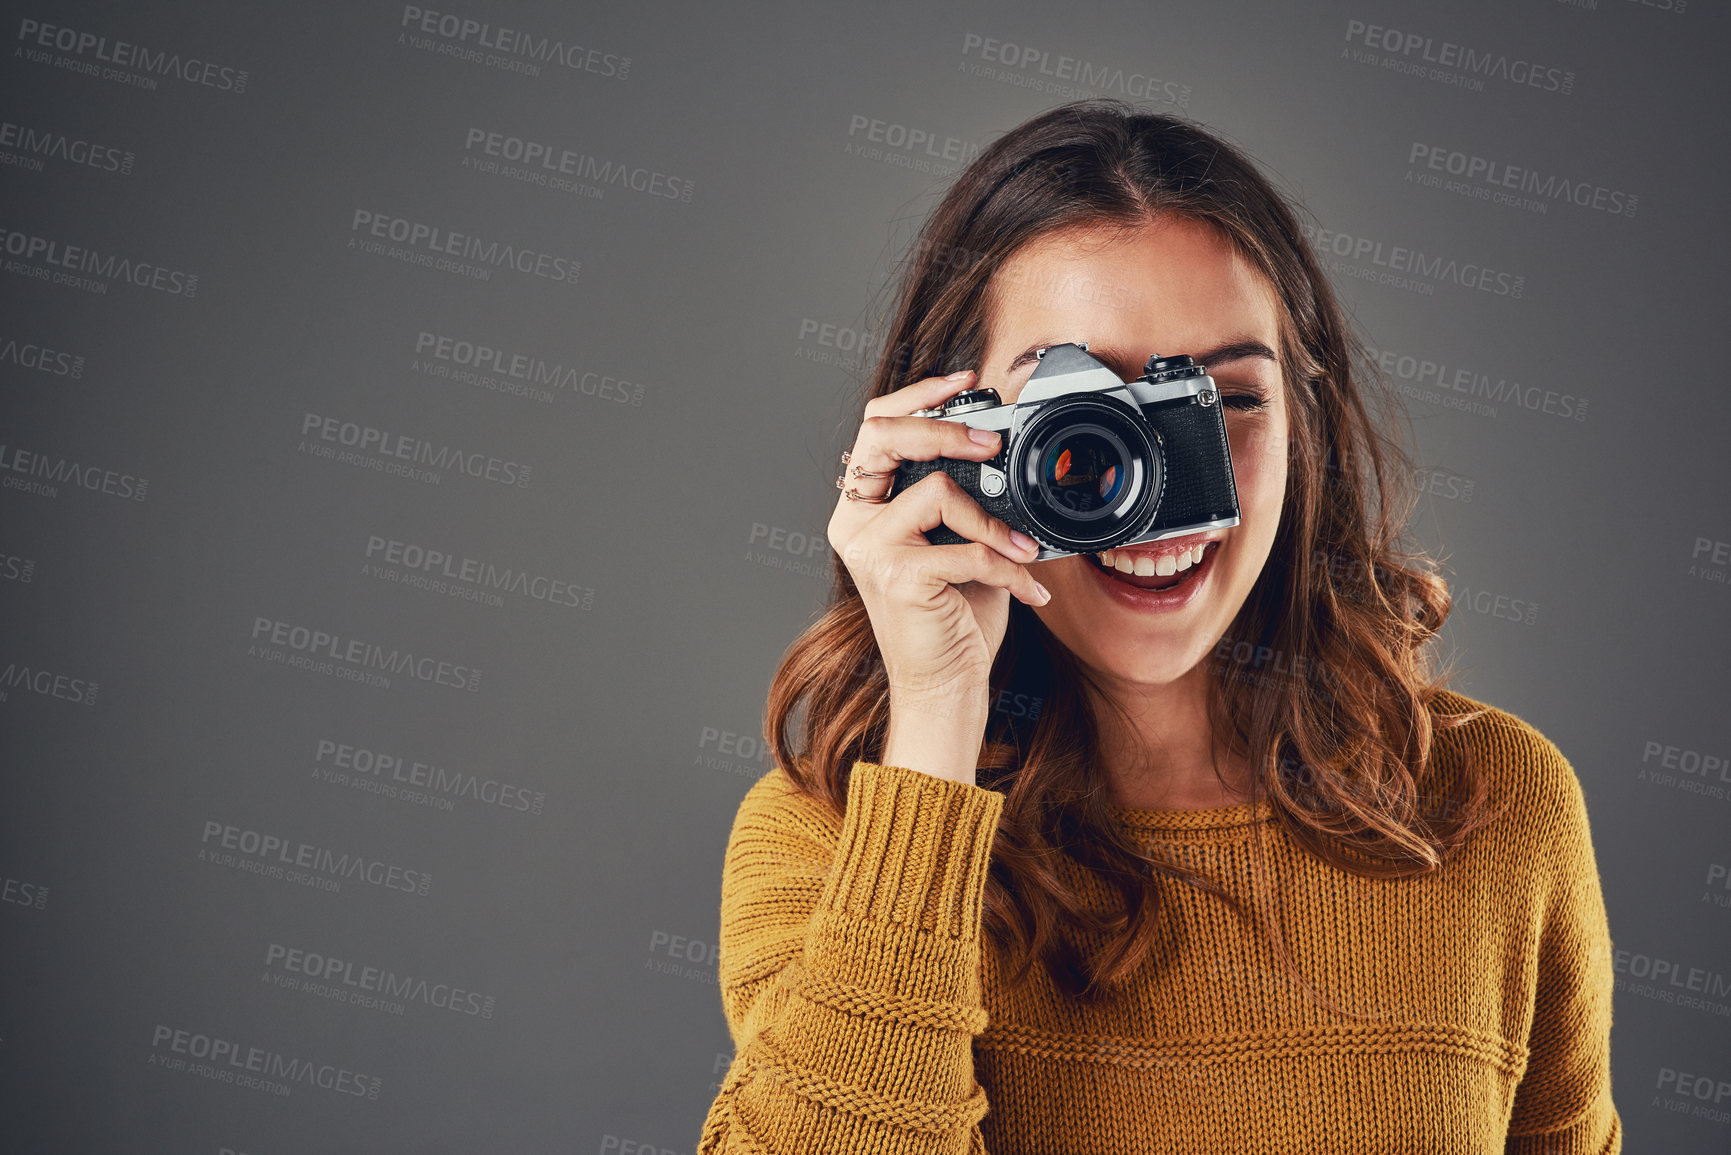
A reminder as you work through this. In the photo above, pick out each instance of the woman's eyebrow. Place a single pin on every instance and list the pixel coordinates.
(1233, 350)
(1236, 350)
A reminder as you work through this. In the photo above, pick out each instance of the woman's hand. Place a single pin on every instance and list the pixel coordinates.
(939, 612)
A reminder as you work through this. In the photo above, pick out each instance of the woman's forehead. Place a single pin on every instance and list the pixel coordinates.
(1173, 281)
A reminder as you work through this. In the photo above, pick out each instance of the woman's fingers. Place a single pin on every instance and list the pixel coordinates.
(883, 543)
(925, 393)
(885, 442)
(893, 552)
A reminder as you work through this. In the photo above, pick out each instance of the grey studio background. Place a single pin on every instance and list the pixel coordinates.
(419, 432)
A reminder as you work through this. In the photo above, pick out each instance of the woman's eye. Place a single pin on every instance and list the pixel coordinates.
(1243, 400)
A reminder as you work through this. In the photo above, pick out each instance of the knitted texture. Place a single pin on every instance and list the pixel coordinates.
(868, 1015)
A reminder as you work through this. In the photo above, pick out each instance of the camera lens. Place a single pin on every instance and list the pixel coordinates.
(1083, 471)
(1087, 472)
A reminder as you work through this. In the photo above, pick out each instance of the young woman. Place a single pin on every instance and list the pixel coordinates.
(1181, 847)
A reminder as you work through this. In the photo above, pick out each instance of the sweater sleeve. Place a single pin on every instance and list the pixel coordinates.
(850, 968)
(1563, 1104)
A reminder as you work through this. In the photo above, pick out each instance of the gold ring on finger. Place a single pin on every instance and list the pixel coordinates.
(853, 494)
(862, 471)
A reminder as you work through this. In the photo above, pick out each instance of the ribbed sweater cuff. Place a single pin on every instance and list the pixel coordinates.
(913, 851)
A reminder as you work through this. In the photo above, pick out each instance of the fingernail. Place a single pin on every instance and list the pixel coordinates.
(1045, 594)
(959, 374)
(983, 436)
(1022, 540)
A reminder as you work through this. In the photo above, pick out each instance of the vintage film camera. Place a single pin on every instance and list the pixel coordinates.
(1089, 462)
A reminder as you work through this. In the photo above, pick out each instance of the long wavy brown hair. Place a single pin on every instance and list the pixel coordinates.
(1323, 682)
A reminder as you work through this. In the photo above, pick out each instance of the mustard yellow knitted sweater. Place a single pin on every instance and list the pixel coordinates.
(867, 1012)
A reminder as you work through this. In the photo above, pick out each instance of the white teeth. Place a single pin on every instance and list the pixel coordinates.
(1144, 566)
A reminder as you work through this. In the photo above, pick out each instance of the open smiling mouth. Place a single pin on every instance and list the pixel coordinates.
(1183, 568)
